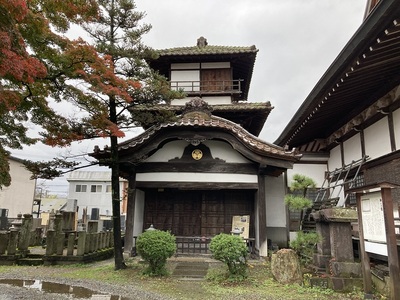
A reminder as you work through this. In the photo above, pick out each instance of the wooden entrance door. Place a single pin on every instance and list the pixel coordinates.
(197, 213)
(215, 80)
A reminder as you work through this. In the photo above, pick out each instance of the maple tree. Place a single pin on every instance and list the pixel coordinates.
(103, 80)
(32, 60)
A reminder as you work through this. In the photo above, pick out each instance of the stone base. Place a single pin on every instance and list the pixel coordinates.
(321, 261)
(345, 269)
(337, 283)
(383, 286)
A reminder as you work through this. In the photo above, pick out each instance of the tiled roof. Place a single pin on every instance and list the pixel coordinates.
(208, 49)
(218, 107)
(200, 119)
(250, 116)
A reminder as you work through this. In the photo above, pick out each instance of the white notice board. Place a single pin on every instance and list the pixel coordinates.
(373, 219)
(242, 223)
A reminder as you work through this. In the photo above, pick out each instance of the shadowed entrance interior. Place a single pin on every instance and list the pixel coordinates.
(197, 212)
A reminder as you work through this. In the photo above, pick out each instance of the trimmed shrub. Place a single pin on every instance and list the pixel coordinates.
(231, 250)
(155, 247)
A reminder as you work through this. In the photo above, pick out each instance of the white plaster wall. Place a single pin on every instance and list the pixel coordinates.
(186, 78)
(139, 213)
(275, 205)
(335, 160)
(377, 139)
(352, 149)
(218, 149)
(196, 177)
(314, 171)
(396, 125)
(169, 151)
(18, 197)
(225, 151)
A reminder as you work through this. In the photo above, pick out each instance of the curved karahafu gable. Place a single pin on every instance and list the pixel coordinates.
(195, 125)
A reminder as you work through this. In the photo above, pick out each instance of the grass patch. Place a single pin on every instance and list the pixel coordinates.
(258, 285)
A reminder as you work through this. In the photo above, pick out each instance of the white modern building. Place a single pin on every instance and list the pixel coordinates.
(92, 189)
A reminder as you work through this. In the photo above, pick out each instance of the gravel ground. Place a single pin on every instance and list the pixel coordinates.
(8, 292)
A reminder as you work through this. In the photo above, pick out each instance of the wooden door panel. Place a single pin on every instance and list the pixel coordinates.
(197, 213)
(215, 79)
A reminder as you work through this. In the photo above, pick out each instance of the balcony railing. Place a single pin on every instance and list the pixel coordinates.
(208, 87)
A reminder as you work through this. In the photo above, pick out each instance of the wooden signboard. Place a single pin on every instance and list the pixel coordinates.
(374, 205)
(373, 219)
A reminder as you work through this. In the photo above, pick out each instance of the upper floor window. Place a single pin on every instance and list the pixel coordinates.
(108, 188)
(95, 188)
(80, 188)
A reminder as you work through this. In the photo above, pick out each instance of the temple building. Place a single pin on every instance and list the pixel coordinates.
(194, 175)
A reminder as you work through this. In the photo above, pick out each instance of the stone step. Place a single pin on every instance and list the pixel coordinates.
(190, 270)
(30, 261)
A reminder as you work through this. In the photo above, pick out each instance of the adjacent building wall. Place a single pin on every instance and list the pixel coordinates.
(18, 197)
(90, 198)
(277, 222)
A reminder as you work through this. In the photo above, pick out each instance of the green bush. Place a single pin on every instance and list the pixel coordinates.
(296, 203)
(155, 247)
(231, 250)
(304, 245)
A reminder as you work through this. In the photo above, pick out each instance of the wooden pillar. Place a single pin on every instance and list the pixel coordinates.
(262, 217)
(130, 214)
(393, 258)
(365, 262)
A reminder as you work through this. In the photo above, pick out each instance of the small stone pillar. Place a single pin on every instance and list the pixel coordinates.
(58, 223)
(12, 242)
(50, 242)
(81, 243)
(52, 216)
(25, 234)
(60, 237)
(71, 244)
(93, 226)
(3, 242)
(17, 223)
(323, 255)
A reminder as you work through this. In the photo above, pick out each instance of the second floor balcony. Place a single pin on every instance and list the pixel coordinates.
(214, 87)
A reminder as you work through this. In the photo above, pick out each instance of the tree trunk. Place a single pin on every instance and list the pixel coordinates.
(116, 202)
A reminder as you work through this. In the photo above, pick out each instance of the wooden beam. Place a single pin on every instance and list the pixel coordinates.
(197, 185)
(196, 166)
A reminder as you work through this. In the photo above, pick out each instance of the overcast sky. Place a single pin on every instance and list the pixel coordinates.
(297, 42)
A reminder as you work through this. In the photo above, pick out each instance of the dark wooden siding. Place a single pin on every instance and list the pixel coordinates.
(197, 212)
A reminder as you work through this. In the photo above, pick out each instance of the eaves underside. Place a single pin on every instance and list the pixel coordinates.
(366, 70)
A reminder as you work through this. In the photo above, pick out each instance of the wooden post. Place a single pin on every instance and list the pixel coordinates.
(130, 214)
(262, 217)
(393, 258)
(391, 243)
(365, 262)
